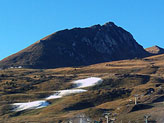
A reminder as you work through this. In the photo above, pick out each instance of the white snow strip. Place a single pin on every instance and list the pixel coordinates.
(82, 83)
(30, 105)
(62, 93)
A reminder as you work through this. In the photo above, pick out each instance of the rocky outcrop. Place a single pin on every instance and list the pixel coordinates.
(77, 47)
(156, 50)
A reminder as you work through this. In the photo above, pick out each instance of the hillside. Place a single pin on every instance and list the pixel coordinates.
(121, 81)
(78, 47)
(155, 50)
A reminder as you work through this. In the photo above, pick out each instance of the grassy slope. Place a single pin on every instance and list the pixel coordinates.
(122, 80)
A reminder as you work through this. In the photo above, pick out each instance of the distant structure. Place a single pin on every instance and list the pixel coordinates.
(146, 118)
(109, 117)
(135, 99)
(80, 118)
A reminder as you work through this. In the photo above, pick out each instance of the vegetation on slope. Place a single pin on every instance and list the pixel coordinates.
(122, 80)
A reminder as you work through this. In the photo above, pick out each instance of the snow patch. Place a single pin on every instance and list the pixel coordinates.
(82, 83)
(30, 105)
(62, 93)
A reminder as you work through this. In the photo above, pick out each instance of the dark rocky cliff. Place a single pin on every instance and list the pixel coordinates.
(78, 46)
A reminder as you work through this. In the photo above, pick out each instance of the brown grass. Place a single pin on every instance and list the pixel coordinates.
(122, 80)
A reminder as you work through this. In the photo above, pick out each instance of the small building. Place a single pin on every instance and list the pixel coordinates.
(81, 118)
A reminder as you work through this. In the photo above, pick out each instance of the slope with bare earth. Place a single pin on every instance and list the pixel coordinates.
(155, 50)
(121, 81)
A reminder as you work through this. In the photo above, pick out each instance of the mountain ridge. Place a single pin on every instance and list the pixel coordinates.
(78, 47)
(155, 50)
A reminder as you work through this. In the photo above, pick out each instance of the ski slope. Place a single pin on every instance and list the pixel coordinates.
(82, 83)
(30, 105)
(62, 93)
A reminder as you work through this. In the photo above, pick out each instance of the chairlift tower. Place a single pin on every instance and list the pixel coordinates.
(135, 99)
(107, 117)
(146, 118)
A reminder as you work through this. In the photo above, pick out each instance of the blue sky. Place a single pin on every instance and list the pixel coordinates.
(22, 22)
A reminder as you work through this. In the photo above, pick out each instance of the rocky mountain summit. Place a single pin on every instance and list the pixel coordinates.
(155, 50)
(78, 47)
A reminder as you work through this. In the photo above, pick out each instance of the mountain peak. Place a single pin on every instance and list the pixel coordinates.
(155, 50)
(156, 46)
(77, 47)
(109, 24)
